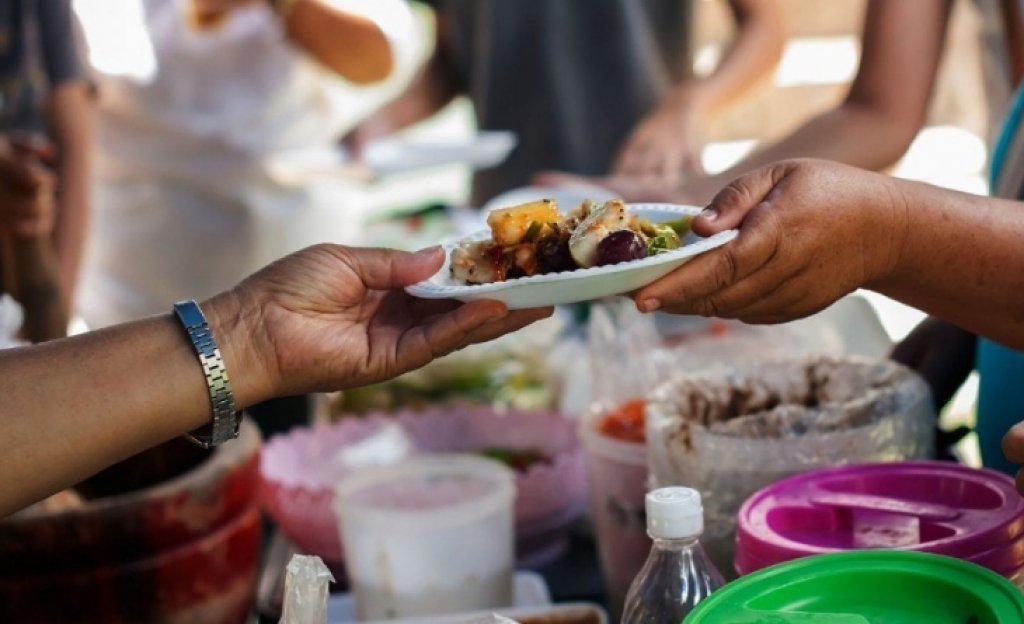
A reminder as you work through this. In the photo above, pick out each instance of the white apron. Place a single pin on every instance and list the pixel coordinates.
(184, 206)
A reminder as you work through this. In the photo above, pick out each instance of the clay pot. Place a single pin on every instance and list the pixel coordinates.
(186, 549)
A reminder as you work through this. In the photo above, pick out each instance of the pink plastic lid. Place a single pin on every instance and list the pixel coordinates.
(937, 507)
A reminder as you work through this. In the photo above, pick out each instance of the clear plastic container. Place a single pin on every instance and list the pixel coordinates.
(730, 430)
(429, 536)
(678, 574)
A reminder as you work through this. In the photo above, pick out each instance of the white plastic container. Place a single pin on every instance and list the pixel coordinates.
(617, 483)
(430, 536)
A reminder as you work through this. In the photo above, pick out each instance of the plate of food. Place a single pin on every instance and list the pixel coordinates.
(534, 255)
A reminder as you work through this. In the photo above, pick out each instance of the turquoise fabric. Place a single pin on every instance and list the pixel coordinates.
(1001, 370)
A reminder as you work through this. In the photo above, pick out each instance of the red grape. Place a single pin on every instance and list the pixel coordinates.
(620, 246)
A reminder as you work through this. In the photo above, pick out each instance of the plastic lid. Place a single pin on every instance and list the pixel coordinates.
(937, 507)
(674, 513)
(442, 488)
(866, 587)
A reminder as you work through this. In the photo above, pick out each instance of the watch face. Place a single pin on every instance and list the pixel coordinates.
(190, 313)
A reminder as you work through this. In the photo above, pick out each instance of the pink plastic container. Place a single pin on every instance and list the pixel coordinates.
(617, 483)
(299, 470)
(935, 507)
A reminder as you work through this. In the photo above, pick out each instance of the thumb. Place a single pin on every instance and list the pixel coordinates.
(730, 206)
(386, 269)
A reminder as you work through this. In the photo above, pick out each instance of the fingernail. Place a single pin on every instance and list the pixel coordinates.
(427, 251)
(708, 214)
(649, 305)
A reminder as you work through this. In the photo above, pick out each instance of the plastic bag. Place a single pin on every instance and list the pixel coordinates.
(626, 358)
(389, 444)
(631, 353)
(306, 591)
(729, 431)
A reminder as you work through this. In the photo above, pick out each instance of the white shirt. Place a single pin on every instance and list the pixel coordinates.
(184, 205)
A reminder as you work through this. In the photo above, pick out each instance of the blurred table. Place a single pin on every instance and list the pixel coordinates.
(574, 577)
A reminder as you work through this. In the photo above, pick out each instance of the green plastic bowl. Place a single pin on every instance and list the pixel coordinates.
(866, 587)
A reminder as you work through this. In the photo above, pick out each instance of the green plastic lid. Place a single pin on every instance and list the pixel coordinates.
(866, 587)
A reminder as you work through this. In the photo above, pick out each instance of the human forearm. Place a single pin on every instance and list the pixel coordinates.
(851, 134)
(351, 45)
(887, 102)
(755, 52)
(75, 406)
(960, 260)
(73, 124)
(325, 318)
(34, 282)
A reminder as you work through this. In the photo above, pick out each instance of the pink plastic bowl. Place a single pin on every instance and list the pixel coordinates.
(298, 472)
(931, 506)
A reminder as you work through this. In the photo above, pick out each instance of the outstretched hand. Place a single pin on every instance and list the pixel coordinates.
(332, 317)
(664, 145)
(810, 233)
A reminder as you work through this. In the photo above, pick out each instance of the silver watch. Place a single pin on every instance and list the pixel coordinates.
(225, 421)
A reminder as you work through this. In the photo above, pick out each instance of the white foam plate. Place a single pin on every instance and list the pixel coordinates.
(581, 284)
(390, 155)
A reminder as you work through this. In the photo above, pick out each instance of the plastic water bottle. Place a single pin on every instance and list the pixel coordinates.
(678, 573)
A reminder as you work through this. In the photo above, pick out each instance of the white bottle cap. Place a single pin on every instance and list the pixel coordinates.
(674, 513)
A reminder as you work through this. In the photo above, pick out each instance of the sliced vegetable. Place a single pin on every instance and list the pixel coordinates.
(509, 226)
(533, 231)
(665, 238)
(681, 226)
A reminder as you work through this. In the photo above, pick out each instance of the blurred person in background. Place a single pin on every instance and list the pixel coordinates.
(872, 128)
(46, 117)
(588, 86)
(31, 305)
(194, 95)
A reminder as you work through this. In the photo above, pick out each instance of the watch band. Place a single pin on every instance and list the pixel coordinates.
(224, 424)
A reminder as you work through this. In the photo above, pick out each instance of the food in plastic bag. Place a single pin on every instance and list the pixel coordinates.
(728, 431)
(306, 591)
(631, 354)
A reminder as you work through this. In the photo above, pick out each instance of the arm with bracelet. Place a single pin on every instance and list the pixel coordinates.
(325, 318)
